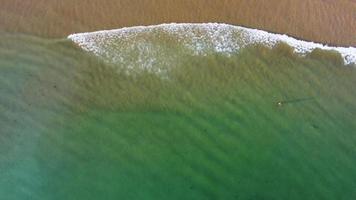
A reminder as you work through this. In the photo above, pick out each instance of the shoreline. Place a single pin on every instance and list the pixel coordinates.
(87, 40)
(302, 19)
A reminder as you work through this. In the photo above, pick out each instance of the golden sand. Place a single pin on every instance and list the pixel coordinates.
(326, 21)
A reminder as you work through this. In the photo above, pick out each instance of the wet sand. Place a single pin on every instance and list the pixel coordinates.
(325, 21)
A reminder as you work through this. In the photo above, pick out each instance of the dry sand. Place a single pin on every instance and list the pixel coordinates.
(326, 21)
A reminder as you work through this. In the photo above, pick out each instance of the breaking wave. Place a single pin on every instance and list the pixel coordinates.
(153, 47)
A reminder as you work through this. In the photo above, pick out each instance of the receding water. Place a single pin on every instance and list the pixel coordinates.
(73, 126)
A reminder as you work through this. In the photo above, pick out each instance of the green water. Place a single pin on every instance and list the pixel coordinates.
(74, 127)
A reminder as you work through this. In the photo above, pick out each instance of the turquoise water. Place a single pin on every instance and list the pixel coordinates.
(73, 126)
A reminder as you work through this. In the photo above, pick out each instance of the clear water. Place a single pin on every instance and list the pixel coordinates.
(73, 126)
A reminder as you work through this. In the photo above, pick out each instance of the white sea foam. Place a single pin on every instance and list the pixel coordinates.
(199, 39)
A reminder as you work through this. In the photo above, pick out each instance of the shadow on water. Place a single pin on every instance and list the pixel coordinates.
(292, 101)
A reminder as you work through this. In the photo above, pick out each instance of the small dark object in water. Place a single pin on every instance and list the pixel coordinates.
(315, 126)
(281, 103)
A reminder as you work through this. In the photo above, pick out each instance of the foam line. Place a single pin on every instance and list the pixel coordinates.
(216, 36)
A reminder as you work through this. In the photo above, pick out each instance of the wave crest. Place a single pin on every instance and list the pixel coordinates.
(156, 46)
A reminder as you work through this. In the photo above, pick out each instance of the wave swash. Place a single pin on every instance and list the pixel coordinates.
(141, 46)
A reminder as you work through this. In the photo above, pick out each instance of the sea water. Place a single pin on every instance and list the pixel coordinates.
(204, 111)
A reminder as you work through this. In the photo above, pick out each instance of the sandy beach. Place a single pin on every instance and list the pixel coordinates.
(326, 21)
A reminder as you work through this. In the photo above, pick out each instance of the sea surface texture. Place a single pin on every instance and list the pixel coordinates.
(176, 111)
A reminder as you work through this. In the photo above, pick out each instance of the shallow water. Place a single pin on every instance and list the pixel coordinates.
(73, 126)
